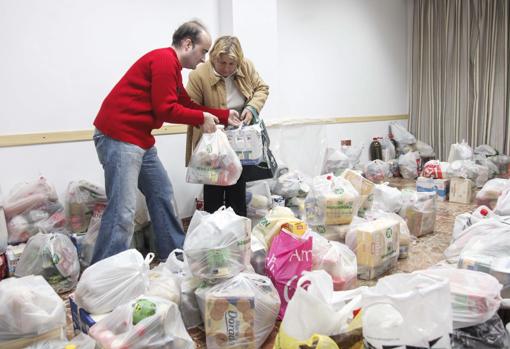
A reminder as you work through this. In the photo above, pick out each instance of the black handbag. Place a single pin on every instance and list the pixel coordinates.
(267, 167)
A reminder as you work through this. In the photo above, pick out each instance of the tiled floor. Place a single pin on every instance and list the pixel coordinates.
(425, 251)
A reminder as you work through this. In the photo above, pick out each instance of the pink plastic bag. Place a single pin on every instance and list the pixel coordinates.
(288, 257)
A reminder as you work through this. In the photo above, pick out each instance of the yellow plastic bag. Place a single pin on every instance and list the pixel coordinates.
(316, 341)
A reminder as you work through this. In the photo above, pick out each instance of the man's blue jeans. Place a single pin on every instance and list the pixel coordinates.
(126, 166)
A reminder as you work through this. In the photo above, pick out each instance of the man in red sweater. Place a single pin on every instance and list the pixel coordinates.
(149, 94)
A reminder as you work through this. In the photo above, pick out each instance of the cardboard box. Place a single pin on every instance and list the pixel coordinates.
(82, 319)
(442, 188)
(425, 184)
(462, 190)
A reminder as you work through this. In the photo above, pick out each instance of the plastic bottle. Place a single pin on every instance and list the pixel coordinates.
(375, 150)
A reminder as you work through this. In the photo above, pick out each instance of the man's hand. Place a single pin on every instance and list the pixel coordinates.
(210, 121)
(233, 118)
(246, 116)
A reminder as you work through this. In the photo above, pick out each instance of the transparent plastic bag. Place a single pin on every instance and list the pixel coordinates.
(407, 310)
(88, 240)
(30, 208)
(425, 150)
(503, 204)
(491, 191)
(464, 169)
(246, 141)
(272, 223)
(214, 161)
(388, 149)
(188, 284)
(291, 184)
(377, 171)
(219, 246)
(475, 296)
(335, 161)
(164, 284)
(419, 210)
(408, 165)
(485, 150)
(29, 307)
(332, 200)
(54, 257)
(258, 199)
(80, 199)
(113, 281)
(146, 322)
(251, 297)
(460, 151)
(401, 135)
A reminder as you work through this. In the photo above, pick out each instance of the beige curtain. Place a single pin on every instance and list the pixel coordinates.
(460, 77)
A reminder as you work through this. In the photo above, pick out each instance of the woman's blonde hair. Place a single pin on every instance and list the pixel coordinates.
(227, 45)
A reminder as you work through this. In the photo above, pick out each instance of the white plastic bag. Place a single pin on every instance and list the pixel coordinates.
(54, 257)
(491, 191)
(424, 149)
(407, 310)
(214, 161)
(332, 200)
(29, 307)
(388, 149)
(408, 165)
(311, 311)
(460, 151)
(146, 322)
(386, 198)
(164, 284)
(219, 246)
(335, 161)
(503, 205)
(290, 184)
(271, 224)
(475, 295)
(485, 150)
(258, 199)
(377, 171)
(113, 281)
(402, 136)
(81, 341)
(253, 300)
(464, 169)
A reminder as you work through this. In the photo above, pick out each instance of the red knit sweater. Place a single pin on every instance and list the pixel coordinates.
(150, 93)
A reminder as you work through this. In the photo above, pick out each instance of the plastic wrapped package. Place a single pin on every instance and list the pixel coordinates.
(29, 307)
(491, 191)
(485, 150)
(332, 200)
(460, 151)
(81, 341)
(489, 253)
(113, 281)
(401, 135)
(54, 257)
(386, 198)
(475, 296)
(419, 210)
(404, 235)
(337, 260)
(250, 300)
(188, 283)
(335, 161)
(488, 335)
(246, 141)
(214, 161)
(287, 258)
(218, 245)
(408, 165)
(436, 169)
(30, 208)
(377, 171)
(291, 184)
(270, 225)
(81, 197)
(145, 322)
(406, 311)
(376, 245)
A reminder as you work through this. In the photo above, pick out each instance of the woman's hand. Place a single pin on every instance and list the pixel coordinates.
(246, 116)
(233, 118)
(210, 121)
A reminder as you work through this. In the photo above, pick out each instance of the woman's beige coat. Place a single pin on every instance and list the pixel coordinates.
(206, 88)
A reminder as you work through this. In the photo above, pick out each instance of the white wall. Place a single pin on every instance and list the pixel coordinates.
(321, 58)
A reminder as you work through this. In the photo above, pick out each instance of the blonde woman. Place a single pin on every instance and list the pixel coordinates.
(226, 80)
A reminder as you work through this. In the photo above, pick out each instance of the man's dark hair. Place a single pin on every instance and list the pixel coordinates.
(189, 30)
